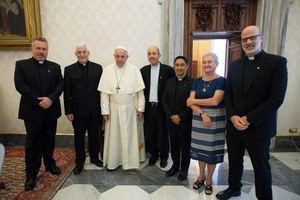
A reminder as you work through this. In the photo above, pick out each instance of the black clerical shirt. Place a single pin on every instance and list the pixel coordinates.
(250, 67)
(84, 69)
(42, 72)
(180, 85)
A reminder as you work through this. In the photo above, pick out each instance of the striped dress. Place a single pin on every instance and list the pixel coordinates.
(207, 144)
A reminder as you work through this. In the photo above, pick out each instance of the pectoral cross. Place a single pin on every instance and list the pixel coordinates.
(118, 88)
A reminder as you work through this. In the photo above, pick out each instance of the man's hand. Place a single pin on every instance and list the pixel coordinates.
(245, 120)
(45, 102)
(105, 117)
(239, 122)
(175, 119)
(139, 114)
(70, 117)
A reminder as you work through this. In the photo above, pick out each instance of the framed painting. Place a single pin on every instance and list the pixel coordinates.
(20, 21)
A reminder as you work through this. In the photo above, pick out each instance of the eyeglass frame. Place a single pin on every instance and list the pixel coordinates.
(251, 38)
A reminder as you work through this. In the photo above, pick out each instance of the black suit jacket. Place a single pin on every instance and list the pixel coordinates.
(28, 84)
(261, 97)
(165, 72)
(82, 98)
(176, 105)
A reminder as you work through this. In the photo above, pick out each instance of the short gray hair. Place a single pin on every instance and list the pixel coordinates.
(81, 45)
(213, 55)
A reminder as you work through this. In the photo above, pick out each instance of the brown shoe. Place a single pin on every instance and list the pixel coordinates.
(198, 184)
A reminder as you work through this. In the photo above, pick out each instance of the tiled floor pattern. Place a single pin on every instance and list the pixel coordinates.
(149, 183)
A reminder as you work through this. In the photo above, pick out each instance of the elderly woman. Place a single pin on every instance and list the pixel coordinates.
(208, 125)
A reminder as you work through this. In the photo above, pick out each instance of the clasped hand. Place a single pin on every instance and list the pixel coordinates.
(240, 123)
(45, 102)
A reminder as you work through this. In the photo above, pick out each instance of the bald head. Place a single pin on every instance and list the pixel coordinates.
(251, 40)
(250, 30)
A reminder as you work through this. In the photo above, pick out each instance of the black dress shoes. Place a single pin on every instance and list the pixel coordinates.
(29, 184)
(171, 172)
(152, 160)
(98, 163)
(54, 170)
(78, 168)
(163, 163)
(228, 193)
(182, 175)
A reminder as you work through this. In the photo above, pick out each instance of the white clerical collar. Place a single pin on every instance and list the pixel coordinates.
(180, 79)
(155, 66)
(251, 58)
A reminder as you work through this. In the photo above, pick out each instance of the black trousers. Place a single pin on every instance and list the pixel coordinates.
(40, 143)
(258, 150)
(156, 132)
(180, 139)
(92, 126)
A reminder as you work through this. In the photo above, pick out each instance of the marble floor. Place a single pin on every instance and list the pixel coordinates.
(149, 182)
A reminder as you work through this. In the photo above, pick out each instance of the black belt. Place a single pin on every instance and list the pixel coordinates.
(153, 104)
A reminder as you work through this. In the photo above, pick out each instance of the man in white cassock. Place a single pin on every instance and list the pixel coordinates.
(122, 107)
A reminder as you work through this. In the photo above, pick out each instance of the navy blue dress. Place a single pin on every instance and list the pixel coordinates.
(207, 144)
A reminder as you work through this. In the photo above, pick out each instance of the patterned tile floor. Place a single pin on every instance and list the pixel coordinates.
(150, 182)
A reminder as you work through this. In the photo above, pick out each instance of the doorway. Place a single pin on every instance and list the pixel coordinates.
(203, 46)
(216, 20)
(227, 45)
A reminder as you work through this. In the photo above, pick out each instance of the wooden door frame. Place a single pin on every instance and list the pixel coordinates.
(206, 36)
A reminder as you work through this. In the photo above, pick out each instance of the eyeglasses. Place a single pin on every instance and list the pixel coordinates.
(251, 38)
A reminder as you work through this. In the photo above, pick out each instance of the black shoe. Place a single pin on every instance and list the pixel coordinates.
(29, 184)
(182, 175)
(54, 170)
(171, 172)
(78, 168)
(228, 193)
(163, 163)
(98, 163)
(152, 160)
(2, 186)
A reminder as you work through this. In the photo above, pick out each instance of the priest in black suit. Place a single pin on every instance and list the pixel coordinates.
(255, 89)
(40, 83)
(179, 117)
(82, 105)
(155, 76)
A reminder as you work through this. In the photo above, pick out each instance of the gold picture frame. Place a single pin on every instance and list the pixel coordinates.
(19, 33)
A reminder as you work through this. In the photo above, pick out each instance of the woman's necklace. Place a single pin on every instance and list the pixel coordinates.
(206, 85)
(119, 79)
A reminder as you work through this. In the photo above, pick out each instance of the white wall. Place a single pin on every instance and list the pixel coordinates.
(102, 24)
(289, 113)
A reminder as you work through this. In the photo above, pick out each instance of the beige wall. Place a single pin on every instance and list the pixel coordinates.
(289, 113)
(103, 25)
(135, 24)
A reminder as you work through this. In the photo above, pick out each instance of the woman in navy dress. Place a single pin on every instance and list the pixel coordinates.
(209, 120)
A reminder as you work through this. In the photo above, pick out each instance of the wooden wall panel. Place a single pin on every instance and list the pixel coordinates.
(226, 16)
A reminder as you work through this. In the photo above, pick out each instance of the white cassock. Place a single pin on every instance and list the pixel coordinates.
(122, 96)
